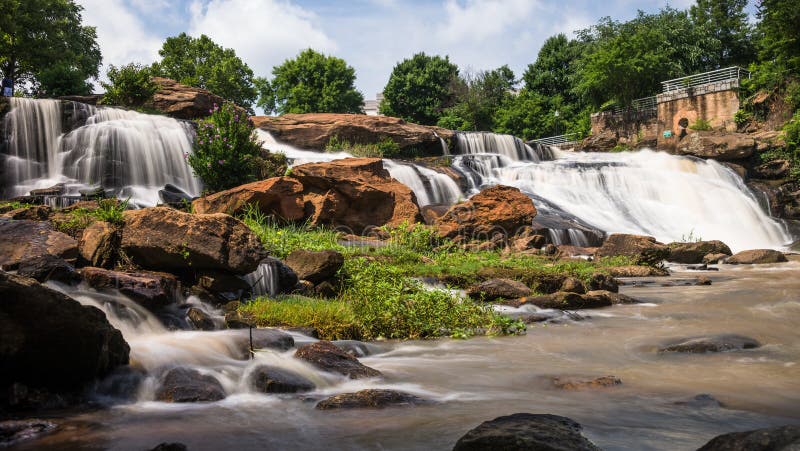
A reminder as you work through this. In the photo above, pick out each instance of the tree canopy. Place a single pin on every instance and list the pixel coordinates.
(202, 63)
(45, 48)
(478, 96)
(779, 28)
(725, 21)
(311, 83)
(420, 88)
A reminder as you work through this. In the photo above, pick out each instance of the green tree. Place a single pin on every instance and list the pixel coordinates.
(44, 46)
(525, 116)
(726, 21)
(202, 63)
(420, 88)
(130, 85)
(479, 95)
(311, 83)
(779, 32)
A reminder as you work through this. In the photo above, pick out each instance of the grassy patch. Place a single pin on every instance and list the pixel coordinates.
(282, 239)
(386, 148)
(14, 205)
(109, 210)
(333, 319)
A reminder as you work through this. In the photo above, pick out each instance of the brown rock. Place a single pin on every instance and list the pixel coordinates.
(31, 213)
(164, 239)
(603, 296)
(499, 208)
(776, 169)
(692, 253)
(182, 101)
(153, 290)
(573, 285)
(493, 289)
(712, 259)
(357, 193)
(315, 130)
(526, 431)
(99, 244)
(784, 438)
(756, 256)
(370, 399)
(600, 281)
(636, 271)
(327, 357)
(717, 145)
(278, 196)
(576, 383)
(24, 240)
(526, 243)
(563, 300)
(313, 266)
(644, 249)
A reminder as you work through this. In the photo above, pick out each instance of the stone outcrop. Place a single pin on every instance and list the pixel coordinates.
(152, 290)
(279, 196)
(717, 145)
(370, 399)
(526, 431)
(51, 341)
(48, 267)
(714, 343)
(166, 239)
(773, 170)
(99, 244)
(693, 253)
(784, 438)
(315, 266)
(269, 379)
(499, 208)
(315, 130)
(183, 102)
(356, 193)
(24, 240)
(188, 385)
(493, 289)
(327, 357)
(756, 256)
(563, 300)
(644, 249)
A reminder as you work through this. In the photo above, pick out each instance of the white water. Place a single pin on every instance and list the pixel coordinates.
(132, 154)
(264, 280)
(645, 192)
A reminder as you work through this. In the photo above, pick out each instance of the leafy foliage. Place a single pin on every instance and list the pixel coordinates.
(420, 89)
(282, 239)
(311, 83)
(386, 148)
(779, 34)
(130, 85)
(202, 63)
(225, 149)
(478, 96)
(725, 21)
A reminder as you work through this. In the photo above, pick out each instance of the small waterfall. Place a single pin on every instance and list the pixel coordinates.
(295, 155)
(132, 154)
(430, 186)
(264, 280)
(508, 146)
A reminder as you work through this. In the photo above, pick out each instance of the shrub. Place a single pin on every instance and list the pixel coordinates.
(386, 148)
(270, 164)
(742, 117)
(225, 149)
(700, 125)
(130, 85)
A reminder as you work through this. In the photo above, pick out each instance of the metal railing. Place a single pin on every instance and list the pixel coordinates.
(643, 104)
(719, 75)
(558, 141)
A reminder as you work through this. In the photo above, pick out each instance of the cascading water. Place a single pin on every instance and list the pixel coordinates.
(132, 154)
(264, 280)
(643, 192)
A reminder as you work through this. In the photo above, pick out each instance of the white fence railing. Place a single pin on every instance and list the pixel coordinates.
(643, 104)
(558, 141)
(719, 75)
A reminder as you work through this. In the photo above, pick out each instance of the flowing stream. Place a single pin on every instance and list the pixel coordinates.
(479, 379)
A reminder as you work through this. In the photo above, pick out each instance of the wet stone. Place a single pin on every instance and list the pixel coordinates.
(371, 399)
(716, 343)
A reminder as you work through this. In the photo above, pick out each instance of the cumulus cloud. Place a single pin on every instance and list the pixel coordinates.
(121, 33)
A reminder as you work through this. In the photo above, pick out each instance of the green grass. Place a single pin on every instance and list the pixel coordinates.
(700, 125)
(109, 210)
(281, 239)
(14, 205)
(333, 319)
(386, 148)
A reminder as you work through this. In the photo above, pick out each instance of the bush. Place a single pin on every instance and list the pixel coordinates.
(386, 148)
(131, 85)
(225, 149)
(700, 125)
(271, 164)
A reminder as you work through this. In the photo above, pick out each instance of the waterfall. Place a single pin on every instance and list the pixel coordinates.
(132, 154)
(264, 280)
(645, 192)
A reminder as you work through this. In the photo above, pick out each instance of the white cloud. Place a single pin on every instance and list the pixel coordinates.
(477, 20)
(122, 35)
(262, 32)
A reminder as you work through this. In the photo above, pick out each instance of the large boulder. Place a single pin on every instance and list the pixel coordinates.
(502, 209)
(314, 131)
(784, 438)
(756, 256)
(645, 250)
(51, 341)
(526, 431)
(315, 266)
(692, 253)
(564, 300)
(370, 399)
(48, 267)
(713, 343)
(99, 244)
(152, 290)
(772, 170)
(328, 357)
(166, 239)
(493, 289)
(188, 385)
(182, 101)
(717, 145)
(24, 240)
(279, 196)
(356, 193)
(271, 379)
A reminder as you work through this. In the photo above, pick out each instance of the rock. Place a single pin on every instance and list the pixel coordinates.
(550, 249)
(173, 446)
(51, 341)
(370, 399)
(188, 385)
(577, 383)
(701, 401)
(13, 432)
(99, 244)
(184, 102)
(636, 271)
(48, 267)
(268, 379)
(264, 338)
(573, 285)
(703, 280)
(222, 282)
(326, 290)
(715, 343)
(313, 266)
(166, 239)
(356, 348)
(773, 170)
(315, 130)
(280, 197)
(327, 357)
(25, 240)
(562, 300)
(200, 319)
(499, 208)
(526, 431)
(493, 289)
(717, 145)
(712, 259)
(756, 257)
(30, 213)
(287, 278)
(568, 250)
(600, 281)
(174, 196)
(690, 253)
(355, 193)
(644, 249)
(527, 243)
(784, 438)
(603, 296)
(152, 290)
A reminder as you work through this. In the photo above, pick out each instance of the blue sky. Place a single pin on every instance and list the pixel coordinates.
(371, 35)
